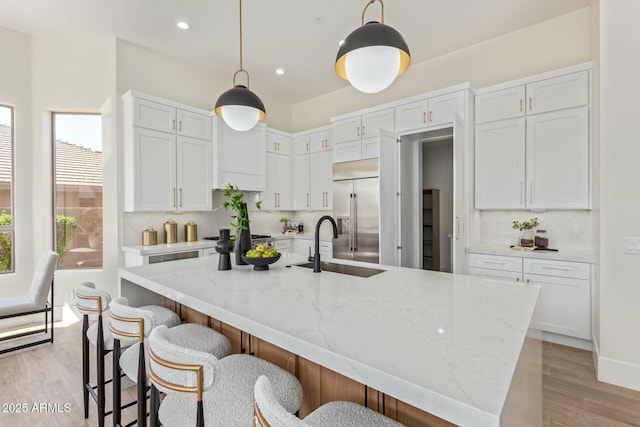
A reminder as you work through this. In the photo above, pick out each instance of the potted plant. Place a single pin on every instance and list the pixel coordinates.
(240, 218)
(526, 227)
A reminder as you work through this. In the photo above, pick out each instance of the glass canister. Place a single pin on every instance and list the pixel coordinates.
(542, 239)
(170, 231)
(149, 236)
(190, 231)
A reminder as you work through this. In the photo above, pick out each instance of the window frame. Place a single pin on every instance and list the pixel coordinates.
(11, 229)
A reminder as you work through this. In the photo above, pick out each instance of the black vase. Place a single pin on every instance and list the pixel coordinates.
(224, 246)
(243, 240)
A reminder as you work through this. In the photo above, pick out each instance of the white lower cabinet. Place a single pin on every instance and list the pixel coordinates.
(283, 245)
(306, 247)
(565, 289)
(565, 296)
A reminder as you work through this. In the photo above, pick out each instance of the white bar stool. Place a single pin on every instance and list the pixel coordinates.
(269, 412)
(223, 387)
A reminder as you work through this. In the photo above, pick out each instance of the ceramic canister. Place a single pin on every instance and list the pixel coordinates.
(170, 231)
(190, 231)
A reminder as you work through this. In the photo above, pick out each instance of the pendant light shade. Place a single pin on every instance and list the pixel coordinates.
(373, 55)
(240, 108)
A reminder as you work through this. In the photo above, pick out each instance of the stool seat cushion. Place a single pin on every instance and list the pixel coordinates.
(188, 335)
(92, 333)
(347, 414)
(229, 402)
(15, 305)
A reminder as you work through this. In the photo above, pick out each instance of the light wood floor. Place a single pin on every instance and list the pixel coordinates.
(51, 374)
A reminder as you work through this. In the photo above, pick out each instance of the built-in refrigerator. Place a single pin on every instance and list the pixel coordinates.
(356, 209)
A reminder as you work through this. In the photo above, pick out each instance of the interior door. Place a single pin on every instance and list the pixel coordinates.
(389, 199)
(366, 213)
(458, 259)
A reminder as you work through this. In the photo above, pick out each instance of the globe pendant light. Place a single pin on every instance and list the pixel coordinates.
(373, 55)
(240, 108)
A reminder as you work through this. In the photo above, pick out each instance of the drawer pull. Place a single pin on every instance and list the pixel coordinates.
(495, 262)
(555, 268)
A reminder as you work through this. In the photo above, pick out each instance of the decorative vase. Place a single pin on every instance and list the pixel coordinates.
(526, 239)
(224, 246)
(243, 240)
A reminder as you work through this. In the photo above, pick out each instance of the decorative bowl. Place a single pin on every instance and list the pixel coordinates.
(261, 264)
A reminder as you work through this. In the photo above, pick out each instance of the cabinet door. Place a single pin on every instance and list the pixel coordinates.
(558, 159)
(373, 122)
(319, 141)
(300, 193)
(283, 245)
(269, 196)
(301, 144)
(283, 182)
(154, 169)
(194, 125)
(443, 109)
(503, 276)
(347, 130)
(565, 304)
(500, 104)
(320, 173)
(571, 90)
(243, 158)
(500, 165)
(347, 151)
(411, 116)
(194, 174)
(277, 143)
(153, 115)
(370, 148)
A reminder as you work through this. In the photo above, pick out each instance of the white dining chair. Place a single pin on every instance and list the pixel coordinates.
(269, 412)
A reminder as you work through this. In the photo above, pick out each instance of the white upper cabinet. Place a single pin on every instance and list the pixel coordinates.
(500, 165)
(312, 180)
(277, 193)
(242, 157)
(356, 138)
(320, 180)
(320, 141)
(300, 188)
(532, 147)
(278, 142)
(430, 112)
(167, 155)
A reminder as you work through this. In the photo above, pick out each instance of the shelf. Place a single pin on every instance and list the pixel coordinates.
(431, 229)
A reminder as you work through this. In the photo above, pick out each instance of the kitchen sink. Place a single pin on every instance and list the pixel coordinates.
(351, 270)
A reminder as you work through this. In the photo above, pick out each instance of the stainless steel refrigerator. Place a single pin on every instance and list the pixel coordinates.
(356, 209)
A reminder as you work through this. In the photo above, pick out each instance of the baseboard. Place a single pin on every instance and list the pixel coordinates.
(568, 341)
(619, 373)
(596, 353)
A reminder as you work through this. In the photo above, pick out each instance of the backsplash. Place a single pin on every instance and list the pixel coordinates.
(567, 229)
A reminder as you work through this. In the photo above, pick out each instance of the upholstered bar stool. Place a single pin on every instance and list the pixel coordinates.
(133, 324)
(223, 388)
(269, 412)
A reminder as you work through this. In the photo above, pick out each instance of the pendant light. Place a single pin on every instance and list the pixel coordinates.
(373, 55)
(240, 108)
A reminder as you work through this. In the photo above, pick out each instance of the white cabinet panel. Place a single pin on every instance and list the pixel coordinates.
(194, 125)
(506, 276)
(443, 109)
(347, 130)
(301, 182)
(154, 115)
(558, 159)
(373, 122)
(347, 151)
(571, 90)
(411, 116)
(370, 148)
(242, 158)
(353, 138)
(574, 270)
(193, 174)
(320, 141)
(500, 104)
(500, 165)
(278, 143)
(300, 144)
(320, 180)
(496, 262)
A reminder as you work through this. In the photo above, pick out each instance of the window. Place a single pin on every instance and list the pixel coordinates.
(77, 147)
(6, 189)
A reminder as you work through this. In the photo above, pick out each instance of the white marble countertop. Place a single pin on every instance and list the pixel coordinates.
(574, 255)
(164, 248)
(447, 344)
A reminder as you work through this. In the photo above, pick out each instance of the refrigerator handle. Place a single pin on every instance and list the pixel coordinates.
(351, 222)
(355, 222)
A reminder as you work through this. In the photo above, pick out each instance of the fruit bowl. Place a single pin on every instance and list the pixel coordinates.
(261, 264)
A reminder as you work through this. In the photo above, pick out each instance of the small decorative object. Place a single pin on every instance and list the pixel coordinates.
(526, 227)
(170, 231)
(285, 224)
(149, 236)
(542, 239)
(261, 257)
(224, 246)
(241, 220)
(190, 232)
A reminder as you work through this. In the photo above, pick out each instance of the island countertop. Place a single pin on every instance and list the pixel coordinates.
(445, 343)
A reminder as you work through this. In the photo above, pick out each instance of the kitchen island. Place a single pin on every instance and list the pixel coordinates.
(464, 349)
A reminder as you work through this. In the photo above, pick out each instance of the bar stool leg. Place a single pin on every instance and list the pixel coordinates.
(142, 388)
(155, 404)
(117, 397)
(85, 365)
(100, 373)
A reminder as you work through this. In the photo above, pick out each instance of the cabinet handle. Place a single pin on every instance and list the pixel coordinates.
(530, 104)
(325, 203)
(528, 281)
(173, 124)
(495, 262)
(430, 116)
(424, 117)
(181, 197)
(531, 191)
(544, 267)
(174, 197)
(457, 228)
(307, 199)
(307, 146)
(278, 146)
(180, 125)
(362, 130)
(275, 200)
(517, 279)
(274, 146)
(358, 132)
(521, 102)
(521, 192)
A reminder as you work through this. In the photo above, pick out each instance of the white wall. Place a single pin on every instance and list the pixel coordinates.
(556, 43)
(619, 346)
(15, 90)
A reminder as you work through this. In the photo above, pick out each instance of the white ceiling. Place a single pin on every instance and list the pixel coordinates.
(300, 36)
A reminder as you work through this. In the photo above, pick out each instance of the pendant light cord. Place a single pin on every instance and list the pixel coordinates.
(241, 70)
(369, 4)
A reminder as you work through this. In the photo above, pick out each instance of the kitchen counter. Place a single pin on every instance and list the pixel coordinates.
(451, 345)
(165, 248)
(574, 255)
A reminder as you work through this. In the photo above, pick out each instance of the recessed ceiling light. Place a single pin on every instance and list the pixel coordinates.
(183, 25)
(341, 42)
(279, 71)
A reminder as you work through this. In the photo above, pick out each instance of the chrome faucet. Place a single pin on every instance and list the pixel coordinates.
(316, 256)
